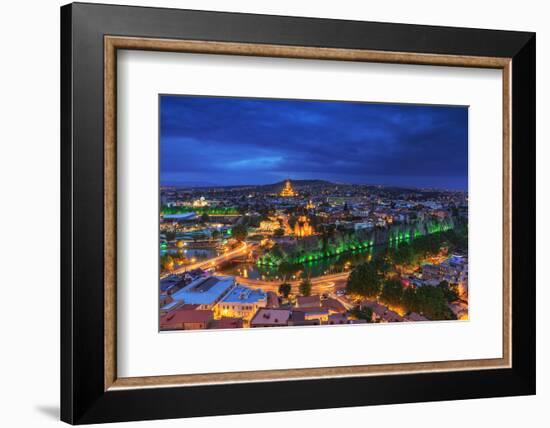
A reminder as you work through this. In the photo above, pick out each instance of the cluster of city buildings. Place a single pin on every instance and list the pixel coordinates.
(218, 302)
(285, 214)
(293, 211)
(381, 313)
(453, 270)
(197, 300)
(358, 206)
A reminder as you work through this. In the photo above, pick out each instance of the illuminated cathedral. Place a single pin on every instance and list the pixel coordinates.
(302, 227)
(288, 191)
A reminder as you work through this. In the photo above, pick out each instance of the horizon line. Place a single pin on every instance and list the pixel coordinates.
(398, 186)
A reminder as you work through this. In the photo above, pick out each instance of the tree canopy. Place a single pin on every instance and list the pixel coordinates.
(428, 301)
(365, 280)
(450, 291)
(404, 254)
(305, 287)
(167, 262)
(362, 314)
(284, 289)
(392, 292)
(239, 232)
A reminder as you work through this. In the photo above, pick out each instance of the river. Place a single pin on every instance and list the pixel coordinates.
(312, 269)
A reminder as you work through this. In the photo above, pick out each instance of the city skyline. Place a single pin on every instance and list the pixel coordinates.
(285, 213)
(220, 141)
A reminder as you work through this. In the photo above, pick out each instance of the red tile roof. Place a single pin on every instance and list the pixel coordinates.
(413, 316)
(308, 301)
(266, 316)
(188, 306)
(337, 319)
(181, 316)
(227, 322)
(334, 305)
(272, 299)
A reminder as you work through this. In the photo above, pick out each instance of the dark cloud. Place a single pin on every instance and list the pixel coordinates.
(218, 140)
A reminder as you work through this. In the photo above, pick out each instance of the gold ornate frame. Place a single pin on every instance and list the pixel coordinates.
(114, 43)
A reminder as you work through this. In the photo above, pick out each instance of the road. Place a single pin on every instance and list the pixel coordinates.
(239, 251)
(319, 285)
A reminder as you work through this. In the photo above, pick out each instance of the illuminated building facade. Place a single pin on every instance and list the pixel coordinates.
(197, 203)
(269, 225)
(288, 191)
(242, 302)
(302, 227)
(310, 205)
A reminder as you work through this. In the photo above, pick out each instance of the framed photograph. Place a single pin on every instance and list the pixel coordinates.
(267, 213)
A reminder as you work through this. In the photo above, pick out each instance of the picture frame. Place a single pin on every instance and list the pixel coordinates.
(91, 35)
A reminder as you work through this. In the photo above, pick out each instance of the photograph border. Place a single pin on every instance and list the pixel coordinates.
(242, 97)
(90, 391)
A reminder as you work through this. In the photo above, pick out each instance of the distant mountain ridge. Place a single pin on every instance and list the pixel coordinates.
(277, 186)
(295, 183)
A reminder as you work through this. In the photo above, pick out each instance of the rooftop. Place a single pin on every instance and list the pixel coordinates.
(185, 316)
(382, 311)
(266, 316)
(338, 319)
(308, 301)
(457, 260)
(333, 305)
(169, 306)
(168, 282)
(299, 318)
(204, 291)
(312, 311)
(272, 299)
(414, 316)
(183, 216)
(243, 294)
(227, 322)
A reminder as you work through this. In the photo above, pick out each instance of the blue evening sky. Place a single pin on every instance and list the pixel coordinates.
(208, 141)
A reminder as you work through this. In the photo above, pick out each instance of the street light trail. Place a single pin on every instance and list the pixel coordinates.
(241, 250)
